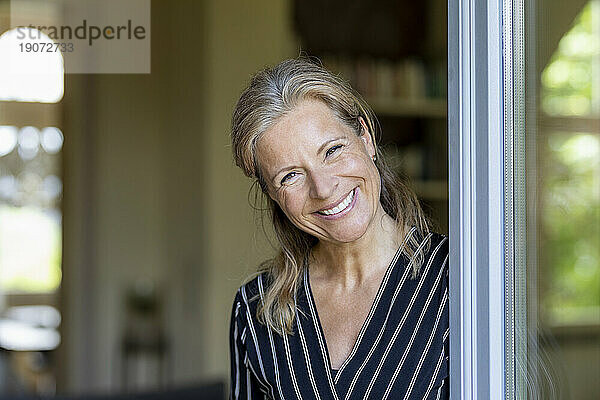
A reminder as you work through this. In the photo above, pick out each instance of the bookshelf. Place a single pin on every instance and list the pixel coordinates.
(407, 107)
(404, 80)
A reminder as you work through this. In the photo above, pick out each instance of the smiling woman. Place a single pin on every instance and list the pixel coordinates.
(355, 305)
(328, 174)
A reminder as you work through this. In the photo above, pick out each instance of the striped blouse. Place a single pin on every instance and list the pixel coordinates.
(401, 351)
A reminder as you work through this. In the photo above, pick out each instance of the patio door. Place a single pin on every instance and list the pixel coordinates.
(524, 148)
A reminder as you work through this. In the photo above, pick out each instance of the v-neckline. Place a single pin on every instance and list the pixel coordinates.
(366, 322)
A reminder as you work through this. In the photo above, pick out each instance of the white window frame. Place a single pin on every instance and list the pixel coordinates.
(485, 143)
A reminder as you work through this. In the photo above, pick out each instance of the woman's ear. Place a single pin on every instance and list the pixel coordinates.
(367, 137)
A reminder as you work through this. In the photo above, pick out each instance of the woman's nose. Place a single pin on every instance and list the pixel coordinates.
(322, 184)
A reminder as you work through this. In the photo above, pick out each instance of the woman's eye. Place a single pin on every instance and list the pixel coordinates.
(332, 150)
(287, 177)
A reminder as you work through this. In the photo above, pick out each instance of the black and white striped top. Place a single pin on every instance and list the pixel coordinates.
(401, 351)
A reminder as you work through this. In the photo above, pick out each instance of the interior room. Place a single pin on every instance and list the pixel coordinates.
(126, 228)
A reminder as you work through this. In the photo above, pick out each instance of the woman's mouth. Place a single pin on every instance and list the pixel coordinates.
(342, 207)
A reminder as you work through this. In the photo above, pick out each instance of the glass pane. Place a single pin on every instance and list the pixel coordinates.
(30, 76)
(30, 249)
(30, 213)
(564, 280)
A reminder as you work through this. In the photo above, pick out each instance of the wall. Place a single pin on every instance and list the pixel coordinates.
(151, 190)
(257, 34)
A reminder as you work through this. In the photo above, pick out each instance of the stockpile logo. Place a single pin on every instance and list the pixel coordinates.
(92, 36)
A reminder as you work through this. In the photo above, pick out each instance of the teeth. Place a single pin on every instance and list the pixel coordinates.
(340, 206)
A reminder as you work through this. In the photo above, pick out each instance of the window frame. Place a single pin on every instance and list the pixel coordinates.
(476, 145)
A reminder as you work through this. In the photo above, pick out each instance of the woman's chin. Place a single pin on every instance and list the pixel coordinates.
(345, 235)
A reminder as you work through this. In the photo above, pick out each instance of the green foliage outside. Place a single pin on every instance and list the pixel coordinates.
(570, 80)
(570, 172)
(571, 228)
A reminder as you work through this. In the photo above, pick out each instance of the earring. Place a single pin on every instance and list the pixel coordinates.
(373, 158)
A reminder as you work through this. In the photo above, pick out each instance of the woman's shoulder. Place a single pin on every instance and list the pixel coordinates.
(439, 240)
(432, 243)
(438, 249)
(249, 293)
(436, 260)
(430, 252)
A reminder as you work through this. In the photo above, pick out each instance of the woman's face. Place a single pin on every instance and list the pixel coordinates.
(321, 173)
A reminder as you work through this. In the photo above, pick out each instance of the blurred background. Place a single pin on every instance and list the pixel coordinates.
(125, 228)
(562, 67)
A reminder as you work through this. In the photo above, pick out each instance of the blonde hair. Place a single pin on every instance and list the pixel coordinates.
(271, 94)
